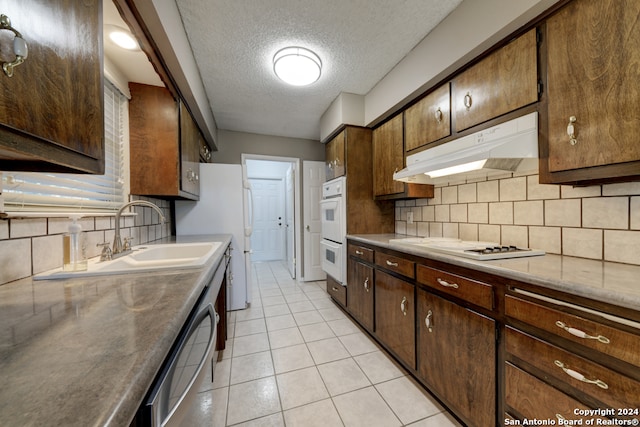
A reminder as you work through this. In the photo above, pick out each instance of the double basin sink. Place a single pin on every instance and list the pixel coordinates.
(144, 258)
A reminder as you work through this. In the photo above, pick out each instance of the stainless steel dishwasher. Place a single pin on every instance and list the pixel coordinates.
(191, 360)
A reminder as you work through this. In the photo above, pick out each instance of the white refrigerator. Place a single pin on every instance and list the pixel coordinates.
(225, 207)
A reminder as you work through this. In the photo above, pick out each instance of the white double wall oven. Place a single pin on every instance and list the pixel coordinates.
(333, 208)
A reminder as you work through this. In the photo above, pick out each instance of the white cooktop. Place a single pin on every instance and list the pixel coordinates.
(482, 251)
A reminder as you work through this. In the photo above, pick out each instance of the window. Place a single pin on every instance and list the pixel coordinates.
(49, 192)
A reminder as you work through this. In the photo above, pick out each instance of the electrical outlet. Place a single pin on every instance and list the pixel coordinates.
(409, 217)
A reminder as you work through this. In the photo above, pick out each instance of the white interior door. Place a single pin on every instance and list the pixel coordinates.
(313, 178)
(267, 240)
(290, 222)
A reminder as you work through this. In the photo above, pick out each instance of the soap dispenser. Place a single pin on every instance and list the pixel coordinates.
(73, 247)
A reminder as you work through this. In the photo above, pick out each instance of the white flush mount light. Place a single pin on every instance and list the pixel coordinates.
(297, 66)
(122, 37)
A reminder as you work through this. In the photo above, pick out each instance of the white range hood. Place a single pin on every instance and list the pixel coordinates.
(510, 146)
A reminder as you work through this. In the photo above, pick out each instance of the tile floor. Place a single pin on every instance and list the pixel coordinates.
(295, 359)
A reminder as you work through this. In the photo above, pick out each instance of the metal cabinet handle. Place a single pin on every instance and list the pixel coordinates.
(20, 49)
(438, 115)
(447, 284)
(468, 101)
(403, 306)
(392, 264)
(581, 334)
(571, 130)
(334, 289)
(427, 321)
(578, 376)
(359, 252)
(366, 284)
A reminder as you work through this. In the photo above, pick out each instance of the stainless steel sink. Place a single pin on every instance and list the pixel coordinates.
(144, 258)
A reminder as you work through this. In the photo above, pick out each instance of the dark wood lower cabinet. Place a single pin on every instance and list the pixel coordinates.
(395, 316)
(457, 357)
(360, 292)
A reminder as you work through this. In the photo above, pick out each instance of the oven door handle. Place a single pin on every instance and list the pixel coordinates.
(207, 311)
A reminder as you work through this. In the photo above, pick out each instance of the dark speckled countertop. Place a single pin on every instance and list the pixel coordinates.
(84, 351)
(613, 283)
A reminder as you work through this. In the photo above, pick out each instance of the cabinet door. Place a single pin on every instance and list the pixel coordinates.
(335, 157)
(51, 110)
(593, 55)
(153, 120)
(457, 357)
(504, 81)
(533, 399)
(428, 120)
(189, 153)
(360, 292)
(395, 316)
(388, 156)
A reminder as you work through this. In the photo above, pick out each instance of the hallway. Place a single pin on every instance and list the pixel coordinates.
(295, 359)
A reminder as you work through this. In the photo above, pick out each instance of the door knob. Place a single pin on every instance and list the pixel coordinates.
(308, 228)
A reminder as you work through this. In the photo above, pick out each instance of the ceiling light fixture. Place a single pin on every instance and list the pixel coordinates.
(297, 66)
(122, 37)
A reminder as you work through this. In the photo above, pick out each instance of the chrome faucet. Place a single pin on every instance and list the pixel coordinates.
(117, 240)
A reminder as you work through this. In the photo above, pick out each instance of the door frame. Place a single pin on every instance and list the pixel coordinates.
(296, 164)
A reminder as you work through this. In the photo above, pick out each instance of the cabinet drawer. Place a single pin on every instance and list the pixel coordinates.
(605, 339)
(396, 264)
(614, 389)
(337, 291)
(365, 254)
(532, 398)
(478, 293)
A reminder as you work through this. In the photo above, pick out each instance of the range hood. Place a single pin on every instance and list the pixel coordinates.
(511, 146)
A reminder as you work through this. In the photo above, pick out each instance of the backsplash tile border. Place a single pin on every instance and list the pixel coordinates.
(599, 222)
(34, 245)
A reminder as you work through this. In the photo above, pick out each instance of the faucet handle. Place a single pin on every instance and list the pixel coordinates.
(126, 245)
(106, 253)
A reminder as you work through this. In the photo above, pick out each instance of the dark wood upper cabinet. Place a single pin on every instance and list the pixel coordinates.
(335, 157)
(51, 110)
(388, 157)
(429, 119)
(593, 51)
(502, 82)
(164, 147)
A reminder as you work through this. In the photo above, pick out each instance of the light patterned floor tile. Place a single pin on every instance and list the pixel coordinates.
(318, 414)
(407, 401)
(280, 322)
(291, 358)
(250, 344)
(301, 387)
(251, 367)
(358, 343)
(316, 331)
(343, 376)
(253, 399)
(327, 350)
(378, 367)
(365, 407)
(285, 338)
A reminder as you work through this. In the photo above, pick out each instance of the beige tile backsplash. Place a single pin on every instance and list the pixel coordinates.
(597, 222)
(31, 246)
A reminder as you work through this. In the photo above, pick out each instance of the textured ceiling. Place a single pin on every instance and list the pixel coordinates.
(359, 42)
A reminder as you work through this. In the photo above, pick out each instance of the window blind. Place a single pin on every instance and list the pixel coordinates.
(49, 192)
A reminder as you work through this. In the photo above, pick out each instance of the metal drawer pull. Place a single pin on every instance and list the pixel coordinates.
(578, 376)
(468, 101)
(447, 284)
(403, 306)
(334, 289)
(366, 284)
(427, 321)
(438, 115)
(359, 252)
(580, 334)
(20, 49)
(392, 264)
